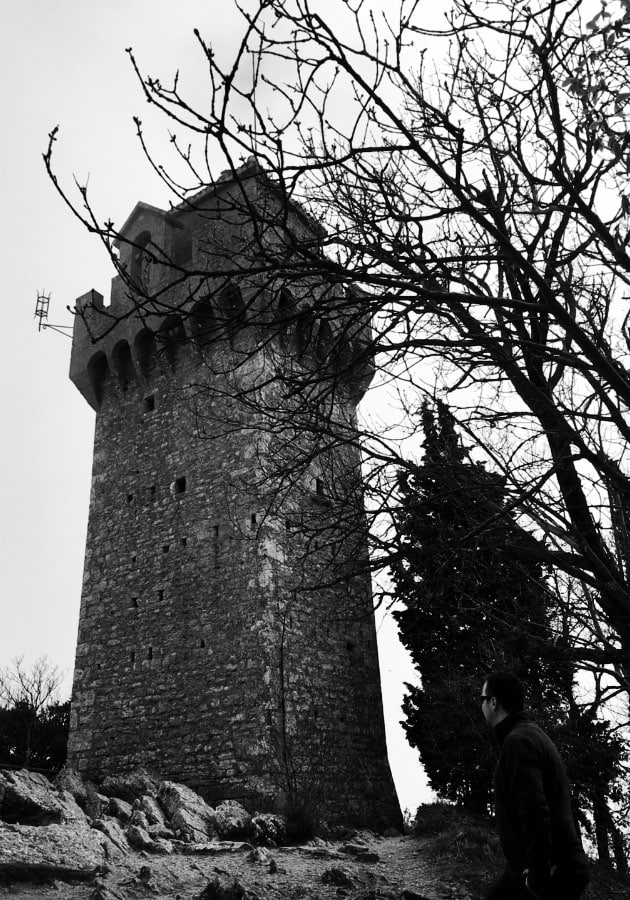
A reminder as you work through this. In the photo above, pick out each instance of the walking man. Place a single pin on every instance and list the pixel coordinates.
(543, 851)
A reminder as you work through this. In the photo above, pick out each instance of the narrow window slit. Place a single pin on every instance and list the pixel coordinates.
(179, 485)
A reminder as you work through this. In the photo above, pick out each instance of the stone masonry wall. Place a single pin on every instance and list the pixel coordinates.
(204, 652)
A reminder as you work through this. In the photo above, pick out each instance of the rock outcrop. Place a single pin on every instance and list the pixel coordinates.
(268, 830)
(65, 852)
(28, 798)
(71, 829)
(233, 822)
(130, 786)
(190, 816)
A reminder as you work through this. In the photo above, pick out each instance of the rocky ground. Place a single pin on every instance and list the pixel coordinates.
(138, 838)
(135, 837)
(396, 868)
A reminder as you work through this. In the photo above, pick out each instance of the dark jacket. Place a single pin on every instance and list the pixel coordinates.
(533, 800)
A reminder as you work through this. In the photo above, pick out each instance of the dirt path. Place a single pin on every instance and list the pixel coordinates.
(320, 871)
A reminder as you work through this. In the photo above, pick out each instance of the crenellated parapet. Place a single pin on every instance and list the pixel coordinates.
(177, 293)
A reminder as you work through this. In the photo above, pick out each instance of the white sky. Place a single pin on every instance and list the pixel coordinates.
(63, 62)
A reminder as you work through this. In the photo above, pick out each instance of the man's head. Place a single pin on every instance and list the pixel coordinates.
(502, 695)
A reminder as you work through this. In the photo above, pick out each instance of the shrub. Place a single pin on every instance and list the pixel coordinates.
(301, 822)
(434, 818)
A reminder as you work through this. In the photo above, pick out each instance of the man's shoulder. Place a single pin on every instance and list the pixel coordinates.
(526, 726)
(523, 730)
(527, 732)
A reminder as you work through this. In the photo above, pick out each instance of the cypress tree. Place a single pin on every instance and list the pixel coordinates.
(471, 598)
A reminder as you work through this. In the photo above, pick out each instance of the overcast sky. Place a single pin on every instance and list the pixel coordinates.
(63, 63)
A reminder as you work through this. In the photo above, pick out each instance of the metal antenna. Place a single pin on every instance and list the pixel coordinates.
(41, 309)
(41, 312)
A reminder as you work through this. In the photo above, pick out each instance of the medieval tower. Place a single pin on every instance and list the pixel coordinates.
(226, 636)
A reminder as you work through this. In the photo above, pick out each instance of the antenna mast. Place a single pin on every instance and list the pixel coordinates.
(41, 309)
(41, 313)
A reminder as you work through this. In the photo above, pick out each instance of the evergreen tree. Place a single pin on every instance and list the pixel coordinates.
(32, 738)
(472, 598)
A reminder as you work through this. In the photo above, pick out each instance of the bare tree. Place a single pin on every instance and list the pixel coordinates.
(31, 690)
(471, 195)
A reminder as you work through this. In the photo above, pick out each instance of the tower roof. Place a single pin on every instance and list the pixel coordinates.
(146, 211)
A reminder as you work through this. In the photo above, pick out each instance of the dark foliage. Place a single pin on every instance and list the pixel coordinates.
(470, 584)
(34, 739)
(594, 757)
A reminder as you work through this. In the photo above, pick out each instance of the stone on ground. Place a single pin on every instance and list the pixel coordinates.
(130, 786)
(189, 814)
(151, 809)
(233, 822)
(111, 828)
(63, 852)
(223, 889)
(120, 808)
(268, 830)
(338, 877)
(28, 798)
(70, 780)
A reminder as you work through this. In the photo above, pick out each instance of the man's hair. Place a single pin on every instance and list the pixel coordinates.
(508, 690)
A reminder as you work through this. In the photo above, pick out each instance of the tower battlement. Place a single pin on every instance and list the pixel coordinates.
(186, 279)
(210, 647)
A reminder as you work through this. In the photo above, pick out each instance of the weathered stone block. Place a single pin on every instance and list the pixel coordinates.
(130, 786)
(140, 839)
(56, 851)
(233, 822)
(151, 809)
(220, 888)
(187, 812)
(28, 798)
(269, 830)
(111, 828)
(120, 808)
(70, 780)
(139, 818)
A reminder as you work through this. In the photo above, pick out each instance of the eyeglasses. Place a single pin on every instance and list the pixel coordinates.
(485, 697)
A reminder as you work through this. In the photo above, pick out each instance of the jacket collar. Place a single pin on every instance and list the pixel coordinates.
(506, 725)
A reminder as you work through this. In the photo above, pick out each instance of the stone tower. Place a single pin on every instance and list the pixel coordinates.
(213, 648)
